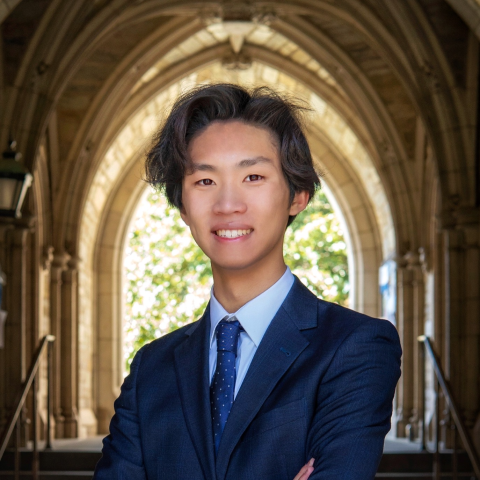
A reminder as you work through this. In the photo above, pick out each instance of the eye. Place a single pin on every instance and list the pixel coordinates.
(205, 182)
(253, 178)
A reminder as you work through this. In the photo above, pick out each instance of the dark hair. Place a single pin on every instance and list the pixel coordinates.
(167, 160)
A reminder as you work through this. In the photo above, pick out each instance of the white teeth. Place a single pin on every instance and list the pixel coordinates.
(232, 233)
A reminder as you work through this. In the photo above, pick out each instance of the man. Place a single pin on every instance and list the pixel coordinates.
(271, 383)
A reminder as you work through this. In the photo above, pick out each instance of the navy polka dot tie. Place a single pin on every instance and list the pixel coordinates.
(223, 383)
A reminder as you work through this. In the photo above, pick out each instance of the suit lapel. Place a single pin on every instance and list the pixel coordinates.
(279, 348)
(191, 365)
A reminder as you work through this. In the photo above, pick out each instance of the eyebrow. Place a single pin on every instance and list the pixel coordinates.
(247, 162)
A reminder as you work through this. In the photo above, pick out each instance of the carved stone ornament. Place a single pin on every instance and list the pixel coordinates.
(238, 19)
(412, 259)
(47, 257)
(236, 61)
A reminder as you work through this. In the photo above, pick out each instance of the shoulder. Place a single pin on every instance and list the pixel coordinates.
(308, 310)
(332, 324)
(342, 317)
(352, 332)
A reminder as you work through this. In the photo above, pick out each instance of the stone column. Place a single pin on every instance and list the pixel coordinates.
(461, 360)
(411, 291)
(406, 333)
(470, 334)
(69, 364)
(4, 254)
(58, 266)
(44, 329)
(414, 265)
(454, 317)
(15, 296)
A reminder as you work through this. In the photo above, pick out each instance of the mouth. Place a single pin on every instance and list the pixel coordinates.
(233, 233)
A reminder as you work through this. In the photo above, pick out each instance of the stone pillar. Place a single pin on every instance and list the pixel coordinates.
(58, 266)
(432, 268)
(15, 295)
(69, 364)
(414, 265)
(411, 312)
(461, 360)
(4, 254)
(406, 332)
(454, 317)
(44, 329)
(15, 331)
(470, 335)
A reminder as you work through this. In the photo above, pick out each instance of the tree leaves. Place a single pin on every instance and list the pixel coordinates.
(167, 278)
(315, 251)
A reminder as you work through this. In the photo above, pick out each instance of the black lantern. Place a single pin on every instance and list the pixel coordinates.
(14, 182)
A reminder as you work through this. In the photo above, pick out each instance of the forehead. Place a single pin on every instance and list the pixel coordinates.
(232, 135)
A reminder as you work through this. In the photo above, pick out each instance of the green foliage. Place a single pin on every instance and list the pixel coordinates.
(168, 278)
(315, 251)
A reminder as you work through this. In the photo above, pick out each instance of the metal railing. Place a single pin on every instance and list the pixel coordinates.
(14, 420)
(458, 426)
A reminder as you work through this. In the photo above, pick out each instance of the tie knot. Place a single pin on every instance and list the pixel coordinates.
(227, 335)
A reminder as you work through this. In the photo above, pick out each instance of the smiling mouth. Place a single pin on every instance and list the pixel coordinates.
(233, 233)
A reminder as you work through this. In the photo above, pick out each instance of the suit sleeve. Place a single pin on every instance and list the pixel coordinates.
(122, 457)
(354, 404)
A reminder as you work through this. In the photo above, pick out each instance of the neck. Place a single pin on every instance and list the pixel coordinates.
(234, 288)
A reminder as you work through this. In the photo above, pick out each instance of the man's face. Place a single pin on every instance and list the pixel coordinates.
(235, 198)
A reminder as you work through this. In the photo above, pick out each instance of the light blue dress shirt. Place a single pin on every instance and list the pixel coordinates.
(255, 317)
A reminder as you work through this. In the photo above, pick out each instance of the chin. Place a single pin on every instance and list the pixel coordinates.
(233, 265)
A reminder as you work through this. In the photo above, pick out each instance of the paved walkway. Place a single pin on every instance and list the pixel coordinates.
(94, 444)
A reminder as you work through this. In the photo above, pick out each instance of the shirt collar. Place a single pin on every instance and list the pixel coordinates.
(256, 315)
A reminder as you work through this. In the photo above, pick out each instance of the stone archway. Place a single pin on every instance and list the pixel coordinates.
(117, 186)
(388, 71)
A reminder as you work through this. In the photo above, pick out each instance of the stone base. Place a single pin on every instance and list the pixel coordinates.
(87, 423)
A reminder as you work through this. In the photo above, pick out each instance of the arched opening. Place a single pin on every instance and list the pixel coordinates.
(167, 278)
(117, 186)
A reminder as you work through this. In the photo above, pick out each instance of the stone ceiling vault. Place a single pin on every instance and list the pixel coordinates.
(367, 49)
(385, 64)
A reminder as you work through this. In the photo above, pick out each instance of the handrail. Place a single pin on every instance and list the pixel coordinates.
(22, 394)
(447, 391)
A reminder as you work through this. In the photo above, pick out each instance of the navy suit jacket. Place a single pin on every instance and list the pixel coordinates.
(320, 385)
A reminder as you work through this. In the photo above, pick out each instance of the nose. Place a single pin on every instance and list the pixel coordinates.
(230, 199)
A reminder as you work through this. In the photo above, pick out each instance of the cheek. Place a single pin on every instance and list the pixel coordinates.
(196, 219)
(273, 213)
(189, 207)
(197, 234)
(277, 203)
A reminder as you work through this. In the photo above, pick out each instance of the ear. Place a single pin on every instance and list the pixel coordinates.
(300, 201)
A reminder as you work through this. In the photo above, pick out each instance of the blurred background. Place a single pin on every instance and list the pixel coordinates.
(93, 257)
